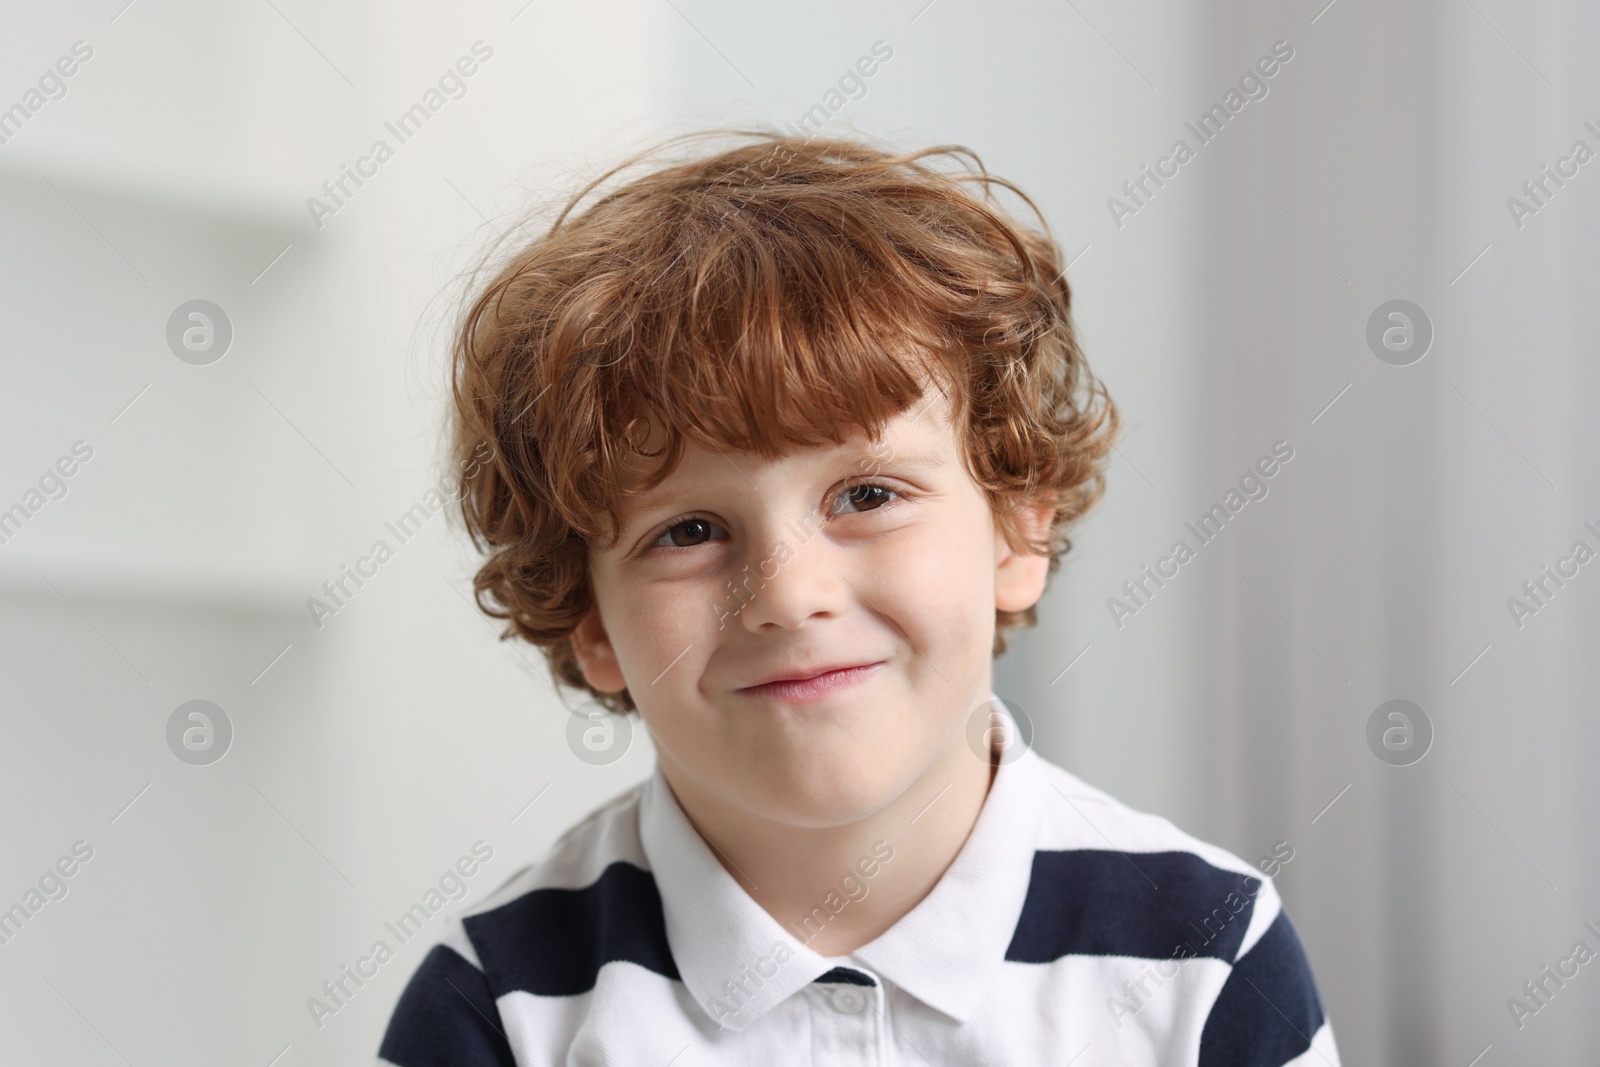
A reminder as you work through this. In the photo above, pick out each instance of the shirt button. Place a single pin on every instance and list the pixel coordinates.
(847, 999)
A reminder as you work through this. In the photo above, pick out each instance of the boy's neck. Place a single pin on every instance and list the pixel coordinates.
(791, 871)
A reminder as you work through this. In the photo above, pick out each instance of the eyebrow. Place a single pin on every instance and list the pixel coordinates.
(655, 498)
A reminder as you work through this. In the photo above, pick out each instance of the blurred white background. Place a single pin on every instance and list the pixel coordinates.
(1227, 311)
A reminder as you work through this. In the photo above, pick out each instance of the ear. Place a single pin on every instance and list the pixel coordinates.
(596, 655)
(1018, 577)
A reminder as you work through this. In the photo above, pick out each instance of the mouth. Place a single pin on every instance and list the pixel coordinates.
(812, 689)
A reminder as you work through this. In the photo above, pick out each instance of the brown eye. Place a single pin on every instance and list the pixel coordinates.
(688, 533)
(869, 496)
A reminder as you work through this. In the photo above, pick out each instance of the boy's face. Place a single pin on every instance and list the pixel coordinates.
(735, 570)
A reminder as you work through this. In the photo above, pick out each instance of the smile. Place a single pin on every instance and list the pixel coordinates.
(810, 690)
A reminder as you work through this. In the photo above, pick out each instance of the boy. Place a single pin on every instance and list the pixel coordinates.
(784, 440)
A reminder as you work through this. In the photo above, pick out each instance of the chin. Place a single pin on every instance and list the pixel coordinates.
(831, 792)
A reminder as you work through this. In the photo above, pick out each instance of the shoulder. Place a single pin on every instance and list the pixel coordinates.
(546, 931)
(591, 901)
(581, 856)
(1109, 880)
(1079, 815)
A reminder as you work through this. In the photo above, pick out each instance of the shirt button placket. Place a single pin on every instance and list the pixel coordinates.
(851, 1019)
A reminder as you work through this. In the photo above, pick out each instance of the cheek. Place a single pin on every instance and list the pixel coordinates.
(937, 584)
(663, 637)
(654, 626)
(648, 625)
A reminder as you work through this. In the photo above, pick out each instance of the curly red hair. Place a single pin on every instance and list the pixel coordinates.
(765, 297)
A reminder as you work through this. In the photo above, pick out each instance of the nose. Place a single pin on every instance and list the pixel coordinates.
(793, 573)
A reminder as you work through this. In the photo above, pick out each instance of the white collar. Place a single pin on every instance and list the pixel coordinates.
(737, 961)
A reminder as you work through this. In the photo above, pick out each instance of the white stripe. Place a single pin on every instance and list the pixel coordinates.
(1082, 816)
(608, 835)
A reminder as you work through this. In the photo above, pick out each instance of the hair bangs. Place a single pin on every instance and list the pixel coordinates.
(780, 345)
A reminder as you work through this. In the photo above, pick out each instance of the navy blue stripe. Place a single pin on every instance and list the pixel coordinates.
(1094, 902)
(1268, 1010)
(446, 1018)
(553, 942)
(840, 975)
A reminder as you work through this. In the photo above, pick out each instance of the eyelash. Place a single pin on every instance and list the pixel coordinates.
(899, 497)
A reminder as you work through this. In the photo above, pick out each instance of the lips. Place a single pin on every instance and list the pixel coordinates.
(814, 687)
(805, 674)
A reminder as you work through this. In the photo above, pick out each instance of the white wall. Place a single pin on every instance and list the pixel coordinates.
(381, 746)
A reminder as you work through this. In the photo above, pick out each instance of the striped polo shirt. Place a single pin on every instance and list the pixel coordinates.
(1069, 929)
